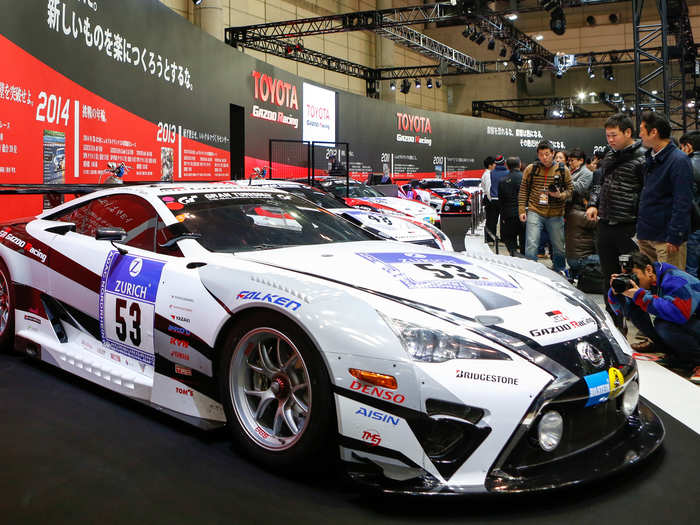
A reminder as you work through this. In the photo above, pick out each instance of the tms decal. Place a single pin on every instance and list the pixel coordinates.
(490, 378)
(378, 416)
(371, 436)
(378, 392)
(269, 298)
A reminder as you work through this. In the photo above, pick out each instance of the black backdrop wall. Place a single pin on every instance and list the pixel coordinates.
(86, 82)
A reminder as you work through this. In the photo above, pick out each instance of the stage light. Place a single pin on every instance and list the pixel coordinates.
(613, 18)
(591, 72)
(429, 83)
(548, 5)
(492, 44)
(608, 73)
(438, 84)
(467, 31)
(590, 19)
(539, 38)
(405, 86)
(474, 36)
(392, 85)
(559, 73)
(417, 84)
(288, 49)
(480, 39)
(503, 52)
(196, 2)
(513, 78)
(512, 17)
(557, 22)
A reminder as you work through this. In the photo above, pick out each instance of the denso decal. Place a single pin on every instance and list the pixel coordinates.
(377, 392)
(378, 416)
(269, 298)
(178, 330)
(490, 378)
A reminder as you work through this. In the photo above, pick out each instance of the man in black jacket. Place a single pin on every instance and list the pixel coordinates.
(512, 229)
(614, 202)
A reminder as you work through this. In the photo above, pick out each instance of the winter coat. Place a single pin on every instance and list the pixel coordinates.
(508, 190)
(497, 174)
(618, 184)
(582, 179)
(536, 180)
(665, 203)
(580, 234)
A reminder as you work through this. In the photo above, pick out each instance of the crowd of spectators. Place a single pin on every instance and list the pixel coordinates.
(636, 200)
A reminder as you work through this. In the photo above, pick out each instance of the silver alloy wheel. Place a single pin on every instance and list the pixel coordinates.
(270, 388)
(4, 303)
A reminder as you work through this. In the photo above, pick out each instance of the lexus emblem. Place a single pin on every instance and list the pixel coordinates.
(590, 353)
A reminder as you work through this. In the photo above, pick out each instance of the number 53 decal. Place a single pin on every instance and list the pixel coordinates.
(127, 304)
(443, 273)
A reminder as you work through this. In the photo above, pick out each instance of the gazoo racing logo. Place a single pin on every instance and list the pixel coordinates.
(377, 392)
(5, 234)
(278, 92)
(413, 124)
(269, 298)
(538, 332)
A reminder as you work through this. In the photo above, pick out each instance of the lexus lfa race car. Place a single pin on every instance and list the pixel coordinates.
(309, 338)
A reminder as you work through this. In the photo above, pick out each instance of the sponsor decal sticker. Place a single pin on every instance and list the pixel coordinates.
(184, 391)
(556, 316)
(174, 341)
(178, 330)
(598, 388)
(32, 319)
(378, 416)
(372, 437)
(183, 370)
(423, 270)
(568, 325)
(489, 378)
(378, 392)
(180, 355)
(271, 298)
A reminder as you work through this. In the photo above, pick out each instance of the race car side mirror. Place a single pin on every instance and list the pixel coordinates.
(107, 233)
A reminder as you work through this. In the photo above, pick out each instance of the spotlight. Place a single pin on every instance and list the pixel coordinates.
(513, 77)
(516, 58)
(480, 39)
(405, 86)
(608, 73)
(288, 49)
(467, 31)
(503, 52)
(614, 57)
(299, 46)
(438, 84)
(512, 17)
(590, 20)
(613, 18)
(474, 36)
(548, 5)
(392, 85)
(559, 73)
(539, 38)
(557, 22)
(196, 2)
(417, 84)
(492, 44)
(591, 72)
(429, 83)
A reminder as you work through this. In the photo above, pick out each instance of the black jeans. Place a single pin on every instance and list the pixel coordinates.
(513, 234)
(682, 341)
(492, 212)
(611, 242)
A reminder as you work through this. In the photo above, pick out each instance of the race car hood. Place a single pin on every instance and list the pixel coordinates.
(394, 227)
(413, 208)
(511, 298)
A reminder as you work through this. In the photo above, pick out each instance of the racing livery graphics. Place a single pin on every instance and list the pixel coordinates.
(307, 336)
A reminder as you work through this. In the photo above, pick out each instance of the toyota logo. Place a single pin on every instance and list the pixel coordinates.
(590, 353)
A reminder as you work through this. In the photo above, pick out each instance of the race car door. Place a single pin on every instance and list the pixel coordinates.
(115, 293)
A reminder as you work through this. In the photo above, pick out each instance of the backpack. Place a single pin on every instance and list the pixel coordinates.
(591, 279)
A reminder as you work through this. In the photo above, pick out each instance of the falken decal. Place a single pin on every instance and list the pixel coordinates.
(271, 298)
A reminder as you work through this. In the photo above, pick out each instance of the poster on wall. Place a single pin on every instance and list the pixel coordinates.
(319, 114)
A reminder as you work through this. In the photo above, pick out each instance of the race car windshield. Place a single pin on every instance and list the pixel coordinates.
(435, 184)
(244, 221)
(356, 191)
(319, 198)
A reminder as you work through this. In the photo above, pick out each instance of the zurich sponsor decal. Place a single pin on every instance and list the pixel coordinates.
(134, 277)
(598, 388)
(271, 298)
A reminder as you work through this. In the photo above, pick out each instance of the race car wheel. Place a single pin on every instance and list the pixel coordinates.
(276, 393)
(7, 309)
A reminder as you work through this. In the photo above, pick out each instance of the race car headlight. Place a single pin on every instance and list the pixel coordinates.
(436, 346)
(630, 398)
(549, 430)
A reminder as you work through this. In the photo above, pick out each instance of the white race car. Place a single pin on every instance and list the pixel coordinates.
(396, 226)
(357, 194)
(307, 337)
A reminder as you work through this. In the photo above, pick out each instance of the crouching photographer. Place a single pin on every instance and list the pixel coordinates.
(672, 296)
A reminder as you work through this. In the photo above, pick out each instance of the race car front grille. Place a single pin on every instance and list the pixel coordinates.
(584, 427)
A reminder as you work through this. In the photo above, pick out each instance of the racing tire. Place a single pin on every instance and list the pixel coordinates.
(7, 309)
(277, 395)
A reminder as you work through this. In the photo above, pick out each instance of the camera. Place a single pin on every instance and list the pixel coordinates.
(624, 282)
(556, 184)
